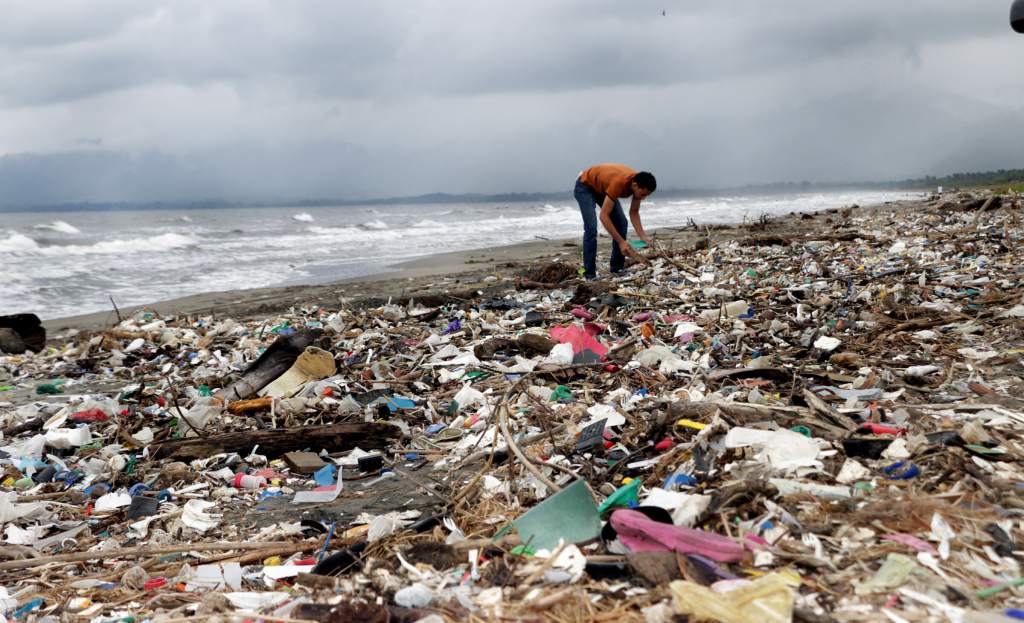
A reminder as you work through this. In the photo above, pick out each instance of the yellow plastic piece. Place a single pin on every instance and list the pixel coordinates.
(273, 561)
(691, 424)
(766, 600)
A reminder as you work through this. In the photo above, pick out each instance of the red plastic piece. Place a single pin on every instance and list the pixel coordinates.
(664, 444)
(882, 429)
(90, 415)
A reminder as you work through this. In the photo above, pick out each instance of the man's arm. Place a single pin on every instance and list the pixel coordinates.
(606, 220)
(634, 217)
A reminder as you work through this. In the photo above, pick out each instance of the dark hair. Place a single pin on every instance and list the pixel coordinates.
(646, 181)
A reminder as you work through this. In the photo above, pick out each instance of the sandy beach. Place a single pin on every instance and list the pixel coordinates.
(491, 271)
(746, 401)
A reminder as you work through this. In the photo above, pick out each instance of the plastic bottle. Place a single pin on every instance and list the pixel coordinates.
(245, 481)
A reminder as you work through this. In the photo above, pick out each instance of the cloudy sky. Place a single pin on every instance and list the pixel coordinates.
(251, 99)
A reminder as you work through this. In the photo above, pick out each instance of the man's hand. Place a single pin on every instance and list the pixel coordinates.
(630, 252)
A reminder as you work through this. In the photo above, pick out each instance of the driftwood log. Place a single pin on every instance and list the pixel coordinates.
(274, 362)
(822, 424)
(274, 443)
(784, 241)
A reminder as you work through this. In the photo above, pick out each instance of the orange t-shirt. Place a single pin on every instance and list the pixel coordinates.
(610, 179)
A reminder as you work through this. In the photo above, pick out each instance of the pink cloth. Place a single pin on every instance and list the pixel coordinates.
(641, 534)
(581, 340)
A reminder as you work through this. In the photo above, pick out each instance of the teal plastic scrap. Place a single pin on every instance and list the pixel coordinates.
(626, 496)
(569, 515)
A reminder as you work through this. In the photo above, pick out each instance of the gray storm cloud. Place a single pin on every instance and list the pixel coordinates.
(263, 100)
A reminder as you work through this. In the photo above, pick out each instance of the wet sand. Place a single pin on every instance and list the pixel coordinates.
(492, 271)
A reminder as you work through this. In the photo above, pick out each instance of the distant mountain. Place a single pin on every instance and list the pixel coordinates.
(954, 180)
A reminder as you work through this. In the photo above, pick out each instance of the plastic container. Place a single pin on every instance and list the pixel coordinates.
(245, 481)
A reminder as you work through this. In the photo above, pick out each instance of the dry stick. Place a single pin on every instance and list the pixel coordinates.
(457, 500)
(174, 398)
(547, 565)
(116, 310)
(527, 463)
(462, 496)
(136, 552)
(528, 441)
(555, 598)
(685, 269)
(288, 549)
(543, 421)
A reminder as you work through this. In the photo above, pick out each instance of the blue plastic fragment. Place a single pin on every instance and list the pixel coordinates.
(28, 607)
(324, 476)
(137, 489)
(901, 470)
(435, 428)
(97, 489)
(399, 402)
(681, 480)
(1014, 613)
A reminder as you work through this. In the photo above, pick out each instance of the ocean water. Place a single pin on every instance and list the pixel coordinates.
(57, 264)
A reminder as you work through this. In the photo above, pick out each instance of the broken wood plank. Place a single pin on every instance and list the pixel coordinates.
(823, 409)
(274, 443)
(140, 552)
(241, 407)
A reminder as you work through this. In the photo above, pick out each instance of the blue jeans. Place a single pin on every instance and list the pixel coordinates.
(590, 201)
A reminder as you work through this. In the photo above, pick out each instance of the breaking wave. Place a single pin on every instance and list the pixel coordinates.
(303, 217)
(24, 245)
(59, 226)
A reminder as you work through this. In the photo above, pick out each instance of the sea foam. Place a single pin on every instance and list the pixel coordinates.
(59, 226)
(23, 245)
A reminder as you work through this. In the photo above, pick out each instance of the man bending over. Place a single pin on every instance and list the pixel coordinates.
(603, 185)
